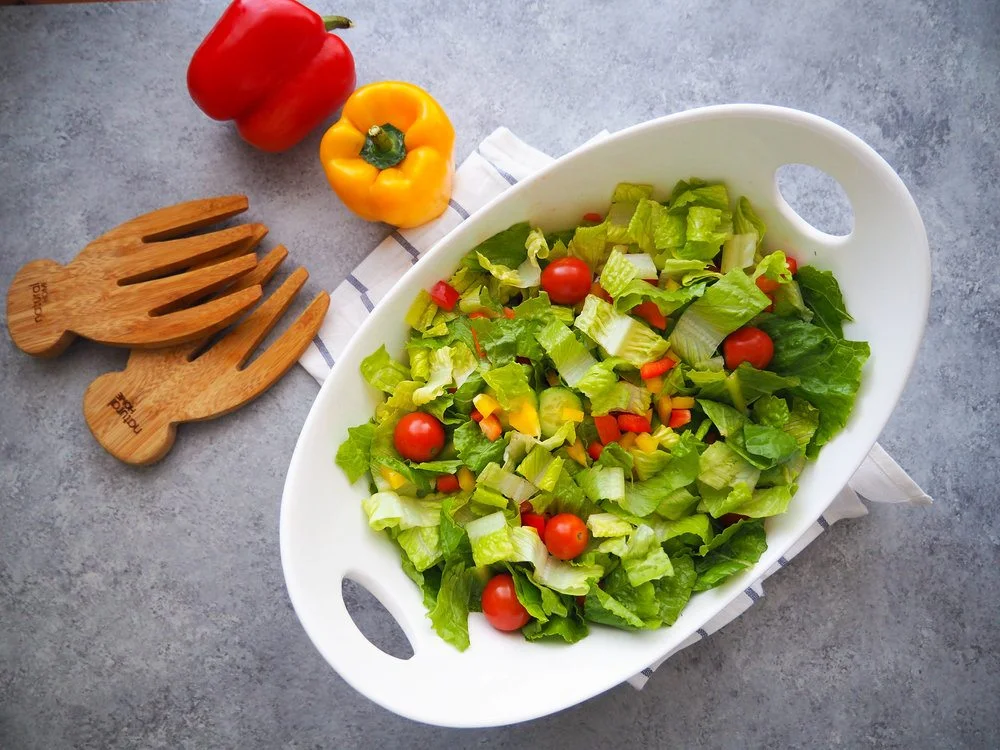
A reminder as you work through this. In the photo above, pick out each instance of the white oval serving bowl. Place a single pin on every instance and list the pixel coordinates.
(883, 266)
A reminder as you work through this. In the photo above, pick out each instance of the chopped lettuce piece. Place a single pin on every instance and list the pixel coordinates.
(490, 537)
(724, 307)
(618, 334)
(745, 220)
(643, 558)
(382, 371)
(354, 454)
(608, 525)
(475, 449)
(507, 248)
(507, 483)
(720, 467)
(387, 510)
(822, 295)
(739, 552)
(570, 357)
(422, 544)
(549, 571)
(450, 615)
(602, 483)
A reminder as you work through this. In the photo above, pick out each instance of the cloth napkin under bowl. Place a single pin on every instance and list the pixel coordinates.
(500, 161)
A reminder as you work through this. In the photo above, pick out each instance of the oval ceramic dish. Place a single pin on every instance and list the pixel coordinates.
(883, 267)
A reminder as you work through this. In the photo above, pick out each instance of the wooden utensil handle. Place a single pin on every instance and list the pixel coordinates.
(126, 418)
(34, 314)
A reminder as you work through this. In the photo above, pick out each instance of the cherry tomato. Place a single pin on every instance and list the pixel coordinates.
(534, 521)
(567, 280)
(448, 483)
(566, 536)
(748, 344)
(418, 436)
(500, 604)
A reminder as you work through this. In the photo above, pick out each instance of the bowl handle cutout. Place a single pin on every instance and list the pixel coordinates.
(815, 199)
(376, 623)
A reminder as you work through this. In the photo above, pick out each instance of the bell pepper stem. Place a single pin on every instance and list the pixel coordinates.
(337, 22)
(382, 140)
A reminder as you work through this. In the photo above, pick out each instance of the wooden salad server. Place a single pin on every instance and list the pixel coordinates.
(134, 413)
(119, 290)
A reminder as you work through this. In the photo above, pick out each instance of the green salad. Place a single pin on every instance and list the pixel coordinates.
(590, 425)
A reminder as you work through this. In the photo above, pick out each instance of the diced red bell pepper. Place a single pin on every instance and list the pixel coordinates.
(633, 423)
(447, 483)
(649, 312)
(594, 450)
(598, 291)
(793, 265)
(594, 217)
(508, 313)
(479, 349)
(272, 66)
(491, 427)
(478, 314)
(657, 368)
(444, 295)
(476, 416)
(679, 418)
(766, 285)
(607, 429)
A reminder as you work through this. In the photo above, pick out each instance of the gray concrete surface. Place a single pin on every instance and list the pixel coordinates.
(146, 608)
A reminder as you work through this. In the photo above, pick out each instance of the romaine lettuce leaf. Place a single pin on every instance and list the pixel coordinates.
(736, 553)
(490, 537)
(642, 498)
(570, 357)
(745, 220)
(643, 558)
(771, 410)
(571, 628)
(354, 454)
(389, 510)
(507, 483)
(697, 192)
(603, 525)
(724, 307)
(475, 449)
(721, 467)
(769, 442)
(450, 616)
(673, 592)
(549, 571)
(590, 244)
(618, 334)
(505, 248)
(422, 544)
(382, 371)
(822, 295)
(602, 483)
(440, 377)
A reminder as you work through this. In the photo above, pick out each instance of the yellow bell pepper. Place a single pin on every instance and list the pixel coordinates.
(390, 156)
(577, 452)
(524, 419)
(466, 479)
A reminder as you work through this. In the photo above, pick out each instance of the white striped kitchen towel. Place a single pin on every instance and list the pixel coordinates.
(500, 161)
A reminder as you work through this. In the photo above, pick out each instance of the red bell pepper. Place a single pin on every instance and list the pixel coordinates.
(607, 428)
(649, 312)
(594, 450)
(271, 66)
(679, 418)
(633, 423)
(445, 296)
(657, 368)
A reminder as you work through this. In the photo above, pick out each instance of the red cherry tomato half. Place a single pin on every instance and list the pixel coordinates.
(418, 436)
(567, 280)
(566, 536)
(748, 344)
(534, 521)
(500, 604)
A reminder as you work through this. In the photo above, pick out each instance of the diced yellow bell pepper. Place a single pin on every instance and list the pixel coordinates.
(672, 286)
(663, 408)
(572, 415)
(577, 452)
(524, 419)
(466, 479)
(654, 385)
(627, 440)
(485, 404)
(682, 402)
(646, 442)
(394, 478)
